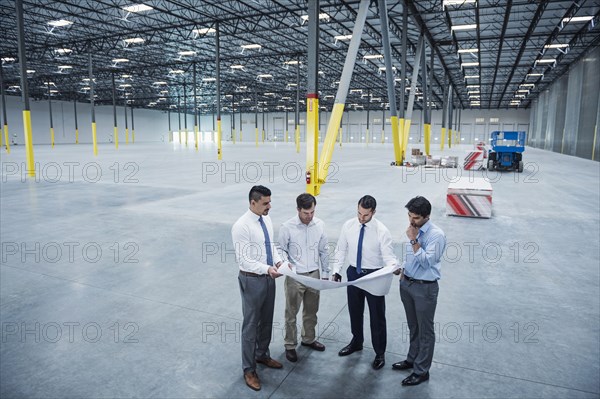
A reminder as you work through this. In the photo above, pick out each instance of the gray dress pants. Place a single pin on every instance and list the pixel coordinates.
(258, 303)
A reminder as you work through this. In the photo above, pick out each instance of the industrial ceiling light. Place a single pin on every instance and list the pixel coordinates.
(471, 76)
(446, 3)
(138, 8)
(343, 37)
(209, 79)
(8, 59)
(133, 40)
(203, 31)
(159, 83)
(187, 53)
(59, 23)
(556, 45)
(63, 68)
(250, 47)
(463, 27)
(469, 64)
(372, 56)
(473, 86)
(63, 51)
(118, 60)
(577, 19)
(468, 50)
(527, 85)
(322, 15)
(177, 71)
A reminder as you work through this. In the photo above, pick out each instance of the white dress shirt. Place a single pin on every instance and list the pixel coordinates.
(377, 250)
(305, 246)
(249, 243)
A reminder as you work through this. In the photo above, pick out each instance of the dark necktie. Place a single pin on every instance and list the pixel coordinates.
(359, 251)
(267, 242)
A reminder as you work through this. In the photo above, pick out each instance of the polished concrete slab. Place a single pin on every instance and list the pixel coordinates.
(118, 277)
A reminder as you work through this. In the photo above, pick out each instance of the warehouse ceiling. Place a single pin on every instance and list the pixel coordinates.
(493, 54)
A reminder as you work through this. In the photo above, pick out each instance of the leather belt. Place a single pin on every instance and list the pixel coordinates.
(249, 274)
(364, 271)
(414, 280)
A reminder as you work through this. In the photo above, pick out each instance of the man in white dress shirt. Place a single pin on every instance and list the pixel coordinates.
(303, 240)
(258, 261)
(367, 244)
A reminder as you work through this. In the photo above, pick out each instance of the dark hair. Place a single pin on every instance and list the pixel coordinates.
(368, 202)
(257, 192)
(419, 206)
(305, 201)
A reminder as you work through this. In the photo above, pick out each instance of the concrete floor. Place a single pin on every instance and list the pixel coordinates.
(118, 277)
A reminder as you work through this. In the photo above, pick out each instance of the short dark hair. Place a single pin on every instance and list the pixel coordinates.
(305, 201)
(257, 192)
(419, 206)
(368, 202)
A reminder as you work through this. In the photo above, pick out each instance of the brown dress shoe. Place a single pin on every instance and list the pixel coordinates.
(316, 346)
(274, 364)
(252, 380)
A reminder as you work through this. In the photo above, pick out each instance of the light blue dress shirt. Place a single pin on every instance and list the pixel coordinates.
(426, 262)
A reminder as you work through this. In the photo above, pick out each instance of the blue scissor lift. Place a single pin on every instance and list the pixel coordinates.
(506, 151)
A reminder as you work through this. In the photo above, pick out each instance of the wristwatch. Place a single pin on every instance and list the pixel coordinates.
(413, 242)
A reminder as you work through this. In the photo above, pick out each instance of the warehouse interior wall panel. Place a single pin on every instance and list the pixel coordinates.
(589, 104)
(564, 117)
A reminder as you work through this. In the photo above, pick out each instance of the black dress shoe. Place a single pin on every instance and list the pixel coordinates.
(291, 355)
(379, 362)
(403, 365)
(415, 379)
(316, 345)
(349, 349)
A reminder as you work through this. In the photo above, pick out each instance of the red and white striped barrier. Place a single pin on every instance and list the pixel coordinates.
(473, 160)
(471, 197)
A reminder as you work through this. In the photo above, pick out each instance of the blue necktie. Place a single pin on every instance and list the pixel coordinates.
(267, 242)
(359, 251)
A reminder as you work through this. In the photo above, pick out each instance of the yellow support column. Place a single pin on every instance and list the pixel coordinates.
(76, 136)
(126, 135)
(367, 137)
(240, 134)
(397, 128)
(132, 135)
(297, 138)
(405, 135)
(6, 138)
(52, 136)
(312, 143)
(333, 126)
(116, 131)
(340, 135)
(256, 132)
(233, 135)
(94, 139)
(28, 143)
(219, 144)
(286, 135)
(427, 138)
(443, 138)
(185, 131)
(196, 136)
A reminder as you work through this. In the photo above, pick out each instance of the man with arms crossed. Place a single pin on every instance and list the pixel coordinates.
(419, 288)
(304, 241)
(258, 261)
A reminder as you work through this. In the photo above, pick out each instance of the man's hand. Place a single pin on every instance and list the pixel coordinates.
(336, 277)
(412, 232)
(273, 272)
(399, 272)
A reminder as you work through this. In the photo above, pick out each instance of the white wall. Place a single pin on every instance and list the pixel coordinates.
(152, 125)
(149, 125)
